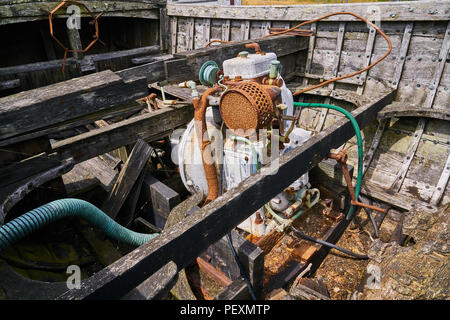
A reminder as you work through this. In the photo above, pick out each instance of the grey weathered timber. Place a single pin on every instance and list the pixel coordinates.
(400, 109)
(189, 62)
(389, 11)
(127, 178)
(63, 101)
(401, 174)
(14, 192)
(9, 84)
(337, 59)
(163, 29)
(150, 126)
(125, 109)
(34, 75)
(157, 286)
(24, 11)
(442, 183)
(185, 241)
(75, 43)
(120, 60)
(164, 199)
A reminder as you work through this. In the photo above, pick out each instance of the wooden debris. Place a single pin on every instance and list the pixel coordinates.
(127, 178)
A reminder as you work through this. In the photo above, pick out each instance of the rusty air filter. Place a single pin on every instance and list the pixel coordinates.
(247, 106)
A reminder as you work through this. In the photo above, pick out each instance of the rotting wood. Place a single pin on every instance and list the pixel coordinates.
(402, 172)
(163, 29)
(127, 178)
(337, 59)
(368, 57)
(30, 11)
(396, 80)
(63, 101)
(221, 215)
(401, 109)
(121, 110)
(173, 34)
(389, 11)
(442, 183)
(150, 126)
(226, 30)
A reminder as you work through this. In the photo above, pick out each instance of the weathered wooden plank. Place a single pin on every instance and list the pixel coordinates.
(442, 183)
(337, 59)
(401, 58)
(189, 62)
(221, 215)
(29, 11)
(88, 174)
(245, 30)
(400, 109)
(400, 177)
(389, 11)
(122, 59)
(367, 58)
(75, 42)
(127, 178)
(163, 29)
(226, 30)
(190, 34)
(63, 101)
(149, 127)
(121, 110)
(173, 34)
(40, 74)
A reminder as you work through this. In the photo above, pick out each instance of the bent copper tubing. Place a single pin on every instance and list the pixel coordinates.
(200, 105)
(341, 157)
(255, 46)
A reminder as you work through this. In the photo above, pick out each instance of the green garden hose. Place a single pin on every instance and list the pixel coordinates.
(358, 137)
(29, 222)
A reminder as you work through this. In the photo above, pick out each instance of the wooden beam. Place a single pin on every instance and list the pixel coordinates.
(127, 108)
(127, 178)
(389, 11)
(214, 220)
(150, 126)
(400, 109)
(24, 11)
(337, 59)
(63, 101)
(442, 183)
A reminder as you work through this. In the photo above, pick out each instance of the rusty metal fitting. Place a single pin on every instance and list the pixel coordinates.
(254, 46)
(151, 97)
(341, 157)
(275, 82)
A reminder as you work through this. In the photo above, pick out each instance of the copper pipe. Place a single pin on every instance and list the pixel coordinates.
(348, 75)
(341, 157)
(288, 31)
(200, 105)
(255, 46)
(213, 41)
